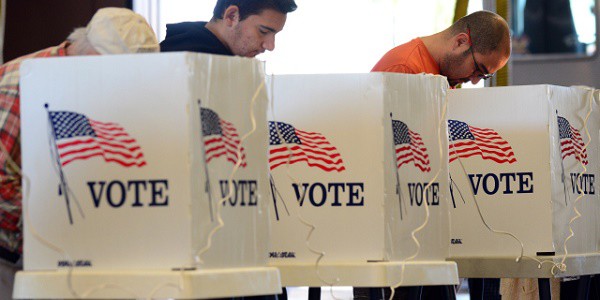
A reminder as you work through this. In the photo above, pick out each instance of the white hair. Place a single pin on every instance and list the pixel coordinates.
(80, 45)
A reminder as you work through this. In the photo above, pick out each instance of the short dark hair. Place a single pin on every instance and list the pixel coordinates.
(489, 31)
(253, 7)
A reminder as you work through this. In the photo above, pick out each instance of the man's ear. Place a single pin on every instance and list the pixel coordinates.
(461, 40)
(231, 16)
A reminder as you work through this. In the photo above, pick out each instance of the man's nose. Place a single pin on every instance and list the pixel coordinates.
(269, 43)
(474, 79)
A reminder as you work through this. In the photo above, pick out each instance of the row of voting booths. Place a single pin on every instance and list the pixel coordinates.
(187, 175)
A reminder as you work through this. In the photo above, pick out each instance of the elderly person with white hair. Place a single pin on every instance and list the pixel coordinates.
(111, 31)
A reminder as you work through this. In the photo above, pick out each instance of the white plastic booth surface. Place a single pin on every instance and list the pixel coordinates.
(531, 160)
(351, 158)
(128, 161)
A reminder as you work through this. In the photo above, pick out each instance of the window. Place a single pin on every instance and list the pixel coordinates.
(553, 27)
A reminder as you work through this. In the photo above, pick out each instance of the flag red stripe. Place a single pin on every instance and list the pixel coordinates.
(570, 147)
(475, 150)
(78, 142)
(80, 157)
(219, 151)
(66, 151)
(462, 147)
(574, 146)
(328, 149)
(301, 153)
(226, 144)
(496, 140)
(107, 159)
(212, 140)
(310, 163)
(112, 143)
(478, 153)
(227, 157)
(505, 150)
(420, 159)
(273, 151)
(121, 137)
(320, 142)
(314, 150)
(578, 144)
(576, 155)
(310, 135)
(466, 148)
(411, 155)
(424, 168)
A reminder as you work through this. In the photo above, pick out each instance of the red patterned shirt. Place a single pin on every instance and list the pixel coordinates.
(11, 239)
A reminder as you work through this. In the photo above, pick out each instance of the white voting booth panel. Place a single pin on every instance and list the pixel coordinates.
(527, 165)
(127, 160)
(341, 146)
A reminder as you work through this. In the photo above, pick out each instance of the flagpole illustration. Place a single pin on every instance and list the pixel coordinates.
(452, 190)
(205, 163)
(275, 192)
(274, 197)
(452, 183)
(63, 181)
(398, 186)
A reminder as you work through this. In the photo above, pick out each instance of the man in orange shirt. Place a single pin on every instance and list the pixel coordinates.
(473, 48)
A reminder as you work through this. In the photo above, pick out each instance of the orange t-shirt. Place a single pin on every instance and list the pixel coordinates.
(412, 58)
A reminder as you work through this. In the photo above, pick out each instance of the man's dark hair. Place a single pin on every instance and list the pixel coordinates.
(253, 7)
(489, 31)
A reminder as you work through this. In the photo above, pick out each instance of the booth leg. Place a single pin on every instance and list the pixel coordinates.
(576, 289)
(544, 289)
(314, 293)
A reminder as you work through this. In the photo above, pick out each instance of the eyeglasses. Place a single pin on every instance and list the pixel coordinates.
(482, 74)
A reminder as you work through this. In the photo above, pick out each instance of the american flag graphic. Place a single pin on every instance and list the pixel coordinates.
(409, 147)
(467, 141)
(220, 138)
(79, 137)
(310, 147)
(571, 142)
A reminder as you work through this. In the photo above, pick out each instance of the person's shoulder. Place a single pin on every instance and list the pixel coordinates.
(416, 57)
(183, 27)
(186, 25)
(194, 37)
(400, 59)
(414, 47)
(405, 51)
(14, 64)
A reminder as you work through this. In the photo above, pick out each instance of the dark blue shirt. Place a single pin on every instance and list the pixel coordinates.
(192, 36)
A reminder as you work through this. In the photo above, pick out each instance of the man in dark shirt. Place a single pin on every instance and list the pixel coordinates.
(238, 27)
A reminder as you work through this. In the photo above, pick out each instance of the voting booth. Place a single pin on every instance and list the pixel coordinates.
(530, 158)
(355, 159)
(130, 162)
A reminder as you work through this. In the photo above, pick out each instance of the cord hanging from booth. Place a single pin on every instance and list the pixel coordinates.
(311, 226)
(440, 130)
(578, 181)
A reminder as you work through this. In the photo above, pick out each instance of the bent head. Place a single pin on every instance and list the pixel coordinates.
(113, 31)
(250, 26)
(479, 46)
